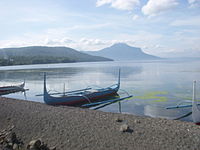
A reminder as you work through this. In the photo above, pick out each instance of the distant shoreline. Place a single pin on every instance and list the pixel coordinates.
(76, 128)
(55, 62)
(12, 67)
(45, 66)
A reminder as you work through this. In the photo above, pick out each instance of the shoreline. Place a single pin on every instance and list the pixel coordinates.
(76, 128)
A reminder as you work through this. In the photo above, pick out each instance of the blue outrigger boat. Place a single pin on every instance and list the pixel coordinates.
(12, 89)
(80, 97)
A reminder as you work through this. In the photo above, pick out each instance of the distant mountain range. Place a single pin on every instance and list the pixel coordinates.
(122, 51)
(43, 54)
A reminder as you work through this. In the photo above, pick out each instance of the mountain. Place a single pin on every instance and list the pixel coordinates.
(122, 51)
(43, 54)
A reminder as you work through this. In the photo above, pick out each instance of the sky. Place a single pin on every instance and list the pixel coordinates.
(158, 27)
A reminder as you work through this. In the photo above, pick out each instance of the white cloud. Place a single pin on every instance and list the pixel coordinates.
(155, 7)
(194, 3)
(119, 4)
(59, 42)
(87, 41)
(103, 2)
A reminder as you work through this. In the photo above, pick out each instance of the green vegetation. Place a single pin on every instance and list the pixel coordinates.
(22, 60)
(44, 55)
(155, 96)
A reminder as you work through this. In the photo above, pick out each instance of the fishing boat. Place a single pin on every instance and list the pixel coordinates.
(195, 107)
(82, 96)
(4, 90)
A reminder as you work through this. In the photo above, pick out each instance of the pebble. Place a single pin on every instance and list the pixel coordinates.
(117, 119)
(10, 141)
(124, 128)
(34, 144)
(137, 121)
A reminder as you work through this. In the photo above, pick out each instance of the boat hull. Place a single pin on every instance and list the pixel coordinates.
(197, 123)
(79, 100)
(11, 89)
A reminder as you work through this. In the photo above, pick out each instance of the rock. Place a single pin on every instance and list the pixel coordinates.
(44, 146)
(10, 144)
(125, 128)
(33, 148)
(52, 148)
(1, 140)
(137, 121)
(38, 145)
(11, 137)
(117, 119)
(10, 129)
(34, 144)
(7, 146)
(9, 140)
(15, 147)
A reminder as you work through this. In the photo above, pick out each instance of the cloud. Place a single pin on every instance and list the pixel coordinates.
(194, 3)
(83, 43)
(119, 4)
(155, 7)
(103, 2)
(87, 41)
(62, 41)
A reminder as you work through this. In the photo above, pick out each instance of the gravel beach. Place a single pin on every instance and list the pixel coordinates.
(70, 128)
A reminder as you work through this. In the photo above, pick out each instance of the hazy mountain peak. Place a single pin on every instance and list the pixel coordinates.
(122, 51)
(121, 44)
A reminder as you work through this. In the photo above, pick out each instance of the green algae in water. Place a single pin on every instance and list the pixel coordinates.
(155, 96)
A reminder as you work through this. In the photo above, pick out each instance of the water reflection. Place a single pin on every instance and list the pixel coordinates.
(35, 74)
(161, 112)
(138, 78)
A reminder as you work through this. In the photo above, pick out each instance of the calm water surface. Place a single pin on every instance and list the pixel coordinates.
(154, 85)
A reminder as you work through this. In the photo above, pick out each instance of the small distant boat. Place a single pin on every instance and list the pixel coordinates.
(79, 97)
(4, 90)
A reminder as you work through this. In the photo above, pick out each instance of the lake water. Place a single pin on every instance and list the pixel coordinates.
(153, 84)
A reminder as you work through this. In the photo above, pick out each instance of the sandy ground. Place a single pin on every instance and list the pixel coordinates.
(70, 128)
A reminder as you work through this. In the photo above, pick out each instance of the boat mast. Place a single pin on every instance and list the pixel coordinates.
(45, 88)
(119, 78)
(194, 91)
(64, 89)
